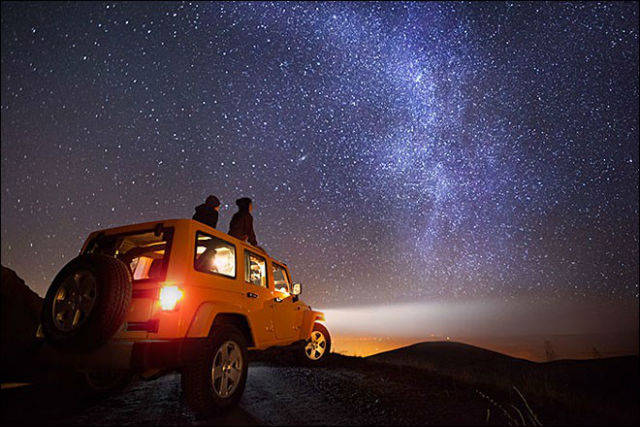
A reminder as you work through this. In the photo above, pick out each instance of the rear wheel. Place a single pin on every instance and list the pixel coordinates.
(318, 345)
(215, 381)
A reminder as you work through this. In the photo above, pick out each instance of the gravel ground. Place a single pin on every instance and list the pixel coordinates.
(347, 391)
(359, 391)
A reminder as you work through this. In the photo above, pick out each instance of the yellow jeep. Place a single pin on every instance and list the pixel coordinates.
(177, 295)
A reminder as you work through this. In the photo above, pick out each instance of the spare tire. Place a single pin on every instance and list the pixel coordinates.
(87, 302)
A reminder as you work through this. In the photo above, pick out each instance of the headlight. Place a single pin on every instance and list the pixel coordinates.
(169, 297)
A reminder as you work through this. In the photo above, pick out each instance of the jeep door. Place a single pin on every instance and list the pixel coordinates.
(259, 297)
(217, 273)
(284, 308)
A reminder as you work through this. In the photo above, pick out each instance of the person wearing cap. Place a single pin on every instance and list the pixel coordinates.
(207, 213)
(241, 226)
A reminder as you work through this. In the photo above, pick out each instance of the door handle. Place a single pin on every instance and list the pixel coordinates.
(251, 295)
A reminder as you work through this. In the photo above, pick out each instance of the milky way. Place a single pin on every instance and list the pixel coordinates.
(394, 151)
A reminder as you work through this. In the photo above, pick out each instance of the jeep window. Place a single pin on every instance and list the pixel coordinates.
(214, 255)
(146, 253)
(281, 279)
(255, 270)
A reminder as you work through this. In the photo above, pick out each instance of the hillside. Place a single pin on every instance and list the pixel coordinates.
(592, 390)
(19, 320)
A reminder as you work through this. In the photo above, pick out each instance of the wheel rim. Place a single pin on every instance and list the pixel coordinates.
(316, 346)
(227, 369)
(74, 300)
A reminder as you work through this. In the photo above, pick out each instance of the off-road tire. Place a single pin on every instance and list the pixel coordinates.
(196, 377)
(317, 327)
(111, 302)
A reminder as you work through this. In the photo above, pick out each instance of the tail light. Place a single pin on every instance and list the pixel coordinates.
(169, 297)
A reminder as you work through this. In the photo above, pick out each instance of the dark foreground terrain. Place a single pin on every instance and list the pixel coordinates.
(351, 390)
(429, 383)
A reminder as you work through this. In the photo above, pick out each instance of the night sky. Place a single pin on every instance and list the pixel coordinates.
(394, 152)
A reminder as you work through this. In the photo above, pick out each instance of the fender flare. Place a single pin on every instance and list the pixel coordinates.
(206, 313)
(309, 318)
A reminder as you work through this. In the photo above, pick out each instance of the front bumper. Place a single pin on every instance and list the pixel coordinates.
(137, 356)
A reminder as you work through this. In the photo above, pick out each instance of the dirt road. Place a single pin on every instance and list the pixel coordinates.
(344, 392)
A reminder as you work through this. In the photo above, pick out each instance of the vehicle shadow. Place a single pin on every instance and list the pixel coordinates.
(234, 417)
(157, 402)
(36, 404)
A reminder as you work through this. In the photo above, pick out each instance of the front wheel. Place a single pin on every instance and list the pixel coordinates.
(318, 345)
(215, 381)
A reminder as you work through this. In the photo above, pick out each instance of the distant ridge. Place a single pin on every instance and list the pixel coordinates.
(444, 352)
(457, 360)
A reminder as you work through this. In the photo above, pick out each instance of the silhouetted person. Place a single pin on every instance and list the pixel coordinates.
(207, 213)
(241, 226)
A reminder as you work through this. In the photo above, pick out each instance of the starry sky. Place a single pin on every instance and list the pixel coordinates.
(395, 151)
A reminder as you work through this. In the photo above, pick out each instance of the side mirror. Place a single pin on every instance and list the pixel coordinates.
(296, 289)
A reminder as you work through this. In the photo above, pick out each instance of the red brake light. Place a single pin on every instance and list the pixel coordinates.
(169, 297)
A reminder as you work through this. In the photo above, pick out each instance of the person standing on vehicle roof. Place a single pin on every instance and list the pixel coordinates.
(207, 213)
(241, 226)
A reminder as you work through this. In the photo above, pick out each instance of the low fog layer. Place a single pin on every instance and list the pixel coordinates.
(486, 317)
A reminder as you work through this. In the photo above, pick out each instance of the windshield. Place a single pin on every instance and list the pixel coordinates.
(146, 253)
